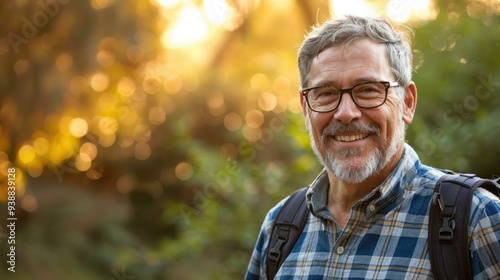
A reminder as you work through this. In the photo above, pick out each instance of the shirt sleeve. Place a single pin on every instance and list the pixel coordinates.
(257, 266)
(485, 242)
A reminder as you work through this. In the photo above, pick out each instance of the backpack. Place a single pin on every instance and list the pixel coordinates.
(449, 215)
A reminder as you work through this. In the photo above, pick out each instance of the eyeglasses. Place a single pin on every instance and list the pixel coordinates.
(366, 95)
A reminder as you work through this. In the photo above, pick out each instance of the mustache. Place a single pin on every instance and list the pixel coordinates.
(340, 128)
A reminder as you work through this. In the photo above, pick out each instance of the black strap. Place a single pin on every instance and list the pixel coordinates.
(449, 222)
(286, 230)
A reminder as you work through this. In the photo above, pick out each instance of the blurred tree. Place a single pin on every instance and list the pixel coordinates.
(458, 81)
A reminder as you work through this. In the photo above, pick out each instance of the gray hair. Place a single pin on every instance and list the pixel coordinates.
(343, 31)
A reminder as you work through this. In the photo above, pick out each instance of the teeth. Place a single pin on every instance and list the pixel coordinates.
(349, 138)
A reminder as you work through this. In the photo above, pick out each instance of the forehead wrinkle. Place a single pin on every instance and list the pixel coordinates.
(360, 64)
(356, 81)
(328, 78)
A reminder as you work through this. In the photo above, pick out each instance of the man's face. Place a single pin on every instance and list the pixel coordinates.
(354, 143)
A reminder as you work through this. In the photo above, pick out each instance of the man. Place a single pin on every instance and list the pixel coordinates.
(368, 208)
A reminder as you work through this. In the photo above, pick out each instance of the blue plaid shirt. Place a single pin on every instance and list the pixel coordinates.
(386, 235)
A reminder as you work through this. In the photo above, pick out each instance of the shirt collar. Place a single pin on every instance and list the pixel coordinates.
(390, 189)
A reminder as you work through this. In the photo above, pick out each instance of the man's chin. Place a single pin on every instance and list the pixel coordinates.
(353, 169)
(352, 161)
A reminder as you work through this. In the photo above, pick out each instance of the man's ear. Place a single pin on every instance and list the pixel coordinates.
(303, 103)
(305, 108)
(410, 102)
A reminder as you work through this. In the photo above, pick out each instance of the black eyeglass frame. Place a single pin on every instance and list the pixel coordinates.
(387, 85)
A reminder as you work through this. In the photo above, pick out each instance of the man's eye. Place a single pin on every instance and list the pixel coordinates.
(367, 89)
(326, 93)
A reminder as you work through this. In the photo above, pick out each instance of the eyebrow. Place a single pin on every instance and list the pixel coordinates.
(355, 82)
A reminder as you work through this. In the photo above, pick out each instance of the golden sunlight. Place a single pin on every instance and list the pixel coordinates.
(221, 14)
(352, 7)
(397, 10)
(400, 10)
(165, 3)
(189, 28)
(217, 11)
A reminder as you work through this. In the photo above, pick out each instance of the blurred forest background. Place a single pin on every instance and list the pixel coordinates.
(151, 137)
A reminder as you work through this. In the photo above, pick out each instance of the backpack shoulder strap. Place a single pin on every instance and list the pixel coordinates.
(287, 228)
(449, 216)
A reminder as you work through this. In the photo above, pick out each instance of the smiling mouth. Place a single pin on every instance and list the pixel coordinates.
(350, 138)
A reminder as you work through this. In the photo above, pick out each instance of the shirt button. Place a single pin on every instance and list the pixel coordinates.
(340, 250)
(372, 207)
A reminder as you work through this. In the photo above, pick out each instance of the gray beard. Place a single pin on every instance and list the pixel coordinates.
(338, 164)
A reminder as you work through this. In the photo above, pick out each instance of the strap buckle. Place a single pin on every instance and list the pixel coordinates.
(282, 238)
(446, 230)
(447, 216)
(448, 226)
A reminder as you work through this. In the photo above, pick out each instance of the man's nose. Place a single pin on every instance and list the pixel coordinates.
(347, 110)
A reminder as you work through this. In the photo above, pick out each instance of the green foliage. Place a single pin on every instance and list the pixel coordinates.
(458, 84)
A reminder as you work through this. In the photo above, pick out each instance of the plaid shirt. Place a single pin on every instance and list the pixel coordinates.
(386, 235)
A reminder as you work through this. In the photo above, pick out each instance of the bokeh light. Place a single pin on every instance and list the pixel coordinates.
(107, 140)
(26, 154)
(107, 125)
(126, 86)
(35, 168)
(99, 81)
(89, 149)
(83, 162)
(41, 146)
(254, 118)
(233, 121)
(189, 28)
(259, 81)
(184, 171)
(251, 133)
(78, 127)
(156, 115)
(29, 203)
(267, 101)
